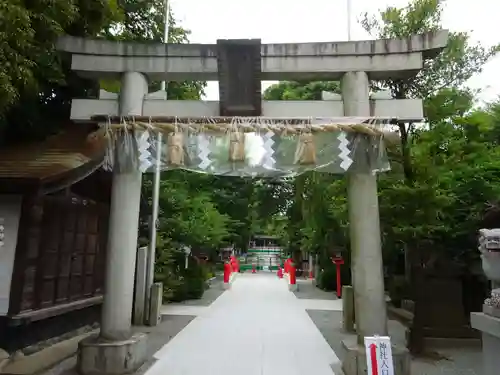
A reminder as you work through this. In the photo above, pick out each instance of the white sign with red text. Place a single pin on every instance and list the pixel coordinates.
(379, 355)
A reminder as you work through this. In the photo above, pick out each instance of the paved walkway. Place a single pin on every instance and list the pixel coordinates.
(256, 328)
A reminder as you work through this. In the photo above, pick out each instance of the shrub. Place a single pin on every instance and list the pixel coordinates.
(179, 283)
(193, 283)
(327, 279)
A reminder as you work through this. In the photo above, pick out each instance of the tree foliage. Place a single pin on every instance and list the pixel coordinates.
(36, 82)
(27, 34)
(309, 90)
(460, 60)
(36, 85)
(450, 70)
(443, 178)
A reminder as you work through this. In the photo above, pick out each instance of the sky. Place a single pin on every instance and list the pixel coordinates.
(294, 21)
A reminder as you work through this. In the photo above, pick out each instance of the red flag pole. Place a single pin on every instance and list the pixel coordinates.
(373, 358)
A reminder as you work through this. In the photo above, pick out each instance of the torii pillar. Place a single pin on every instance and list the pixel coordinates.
(117, 350)
(366, 249)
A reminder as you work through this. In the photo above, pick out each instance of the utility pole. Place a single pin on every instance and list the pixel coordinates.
(165, 36)
(150, 271)
(349, 14)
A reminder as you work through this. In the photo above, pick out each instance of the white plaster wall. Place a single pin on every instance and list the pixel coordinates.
(10, 211)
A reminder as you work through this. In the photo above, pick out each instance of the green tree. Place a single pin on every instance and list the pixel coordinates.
(27, 34)
(187, 213)
(235, 197)
(272, 198)
(36, 84)
(448, 71)
(306, 90)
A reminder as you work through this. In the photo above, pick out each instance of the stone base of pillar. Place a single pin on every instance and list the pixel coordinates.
(348, 319)
(355, 358)
(292, 287)
(99, 357)
(490, 328)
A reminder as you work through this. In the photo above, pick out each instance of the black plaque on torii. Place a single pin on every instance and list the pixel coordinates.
(239, 72)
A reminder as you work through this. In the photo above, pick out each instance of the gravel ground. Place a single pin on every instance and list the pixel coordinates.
(157, 337)
(307, 290)
(459, 361)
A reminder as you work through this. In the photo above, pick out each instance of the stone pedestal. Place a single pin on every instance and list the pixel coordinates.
(100, 357)
(348, 319)
(227, 286)
(155, 304)
(355, 358)
(492, 311)
(292, 287)
(140, 314)
(489, 326)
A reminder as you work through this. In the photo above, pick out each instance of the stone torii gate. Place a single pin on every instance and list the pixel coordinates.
(353, 63)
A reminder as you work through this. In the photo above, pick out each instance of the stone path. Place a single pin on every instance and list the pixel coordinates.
(223, 348)
(256, 328)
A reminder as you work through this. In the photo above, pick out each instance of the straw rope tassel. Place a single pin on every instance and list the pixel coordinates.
(175, 142)
(236, 146)
(224, 127)
(305, 153)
